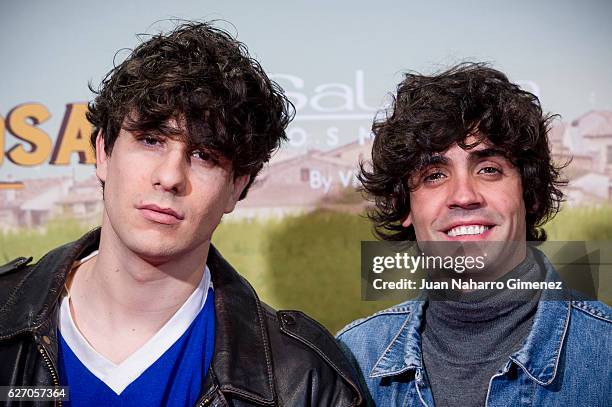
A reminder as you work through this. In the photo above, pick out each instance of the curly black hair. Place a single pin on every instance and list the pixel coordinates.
(201, 76)
(431, 113)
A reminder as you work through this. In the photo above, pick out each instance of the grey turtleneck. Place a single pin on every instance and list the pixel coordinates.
(468, 339)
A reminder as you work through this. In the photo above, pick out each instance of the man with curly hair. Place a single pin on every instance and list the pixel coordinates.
(144, 310)
(462, 161)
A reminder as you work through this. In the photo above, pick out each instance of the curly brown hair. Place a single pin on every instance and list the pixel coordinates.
(431, 113)
(200, 75)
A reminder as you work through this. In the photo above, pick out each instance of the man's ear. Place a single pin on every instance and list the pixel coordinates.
(101, 158)
(408, 221)
(239, 184)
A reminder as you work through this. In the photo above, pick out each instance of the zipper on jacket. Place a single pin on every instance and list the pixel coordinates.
(205, 399)
(47, 360)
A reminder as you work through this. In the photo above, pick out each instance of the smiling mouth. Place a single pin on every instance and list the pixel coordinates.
(468, 230)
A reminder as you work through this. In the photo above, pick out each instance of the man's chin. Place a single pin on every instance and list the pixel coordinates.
(481, 258)
(156, 254)
(154, 247)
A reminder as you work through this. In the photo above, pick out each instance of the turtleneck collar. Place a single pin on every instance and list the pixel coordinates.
(486, 323)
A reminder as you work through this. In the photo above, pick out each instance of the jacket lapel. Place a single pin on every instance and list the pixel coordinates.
(242, 361)
(43, 283)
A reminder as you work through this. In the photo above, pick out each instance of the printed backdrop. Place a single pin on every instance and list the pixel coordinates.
(337, 61)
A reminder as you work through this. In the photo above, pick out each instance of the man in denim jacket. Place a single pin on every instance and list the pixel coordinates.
(463, 157)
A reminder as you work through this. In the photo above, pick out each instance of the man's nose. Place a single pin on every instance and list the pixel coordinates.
(464, 193)
(170, 173)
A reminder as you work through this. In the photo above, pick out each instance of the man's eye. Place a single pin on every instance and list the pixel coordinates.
(202, 155)
(149, 140)
(433, 177)
(489, 170)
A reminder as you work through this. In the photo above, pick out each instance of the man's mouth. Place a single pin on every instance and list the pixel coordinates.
(468, 230)
(157, 214)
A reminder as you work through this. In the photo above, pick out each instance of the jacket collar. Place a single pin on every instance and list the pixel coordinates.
(541, 350)
(404, 351)
(242, 360)
(34, 298)
(538, 356)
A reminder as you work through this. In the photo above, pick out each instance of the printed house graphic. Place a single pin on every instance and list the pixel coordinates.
(587, 141)
(306, 182)
(43, 199)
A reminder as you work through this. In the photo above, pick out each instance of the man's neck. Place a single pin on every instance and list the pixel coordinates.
(120, 292)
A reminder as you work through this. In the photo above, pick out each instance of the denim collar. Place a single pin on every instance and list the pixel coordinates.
(538, 356)
(540, 352)
(404, 351)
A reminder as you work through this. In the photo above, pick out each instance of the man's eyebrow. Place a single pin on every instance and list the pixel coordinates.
(485, 153)
(432, 160)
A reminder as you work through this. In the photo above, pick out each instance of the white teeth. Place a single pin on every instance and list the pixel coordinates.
(467, 230)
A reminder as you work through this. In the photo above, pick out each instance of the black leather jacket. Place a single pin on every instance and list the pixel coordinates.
(262, 357)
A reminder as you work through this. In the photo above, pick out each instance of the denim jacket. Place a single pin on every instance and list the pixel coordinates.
(565, 360)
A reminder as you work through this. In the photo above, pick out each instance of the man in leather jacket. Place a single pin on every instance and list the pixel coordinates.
(144, 310)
